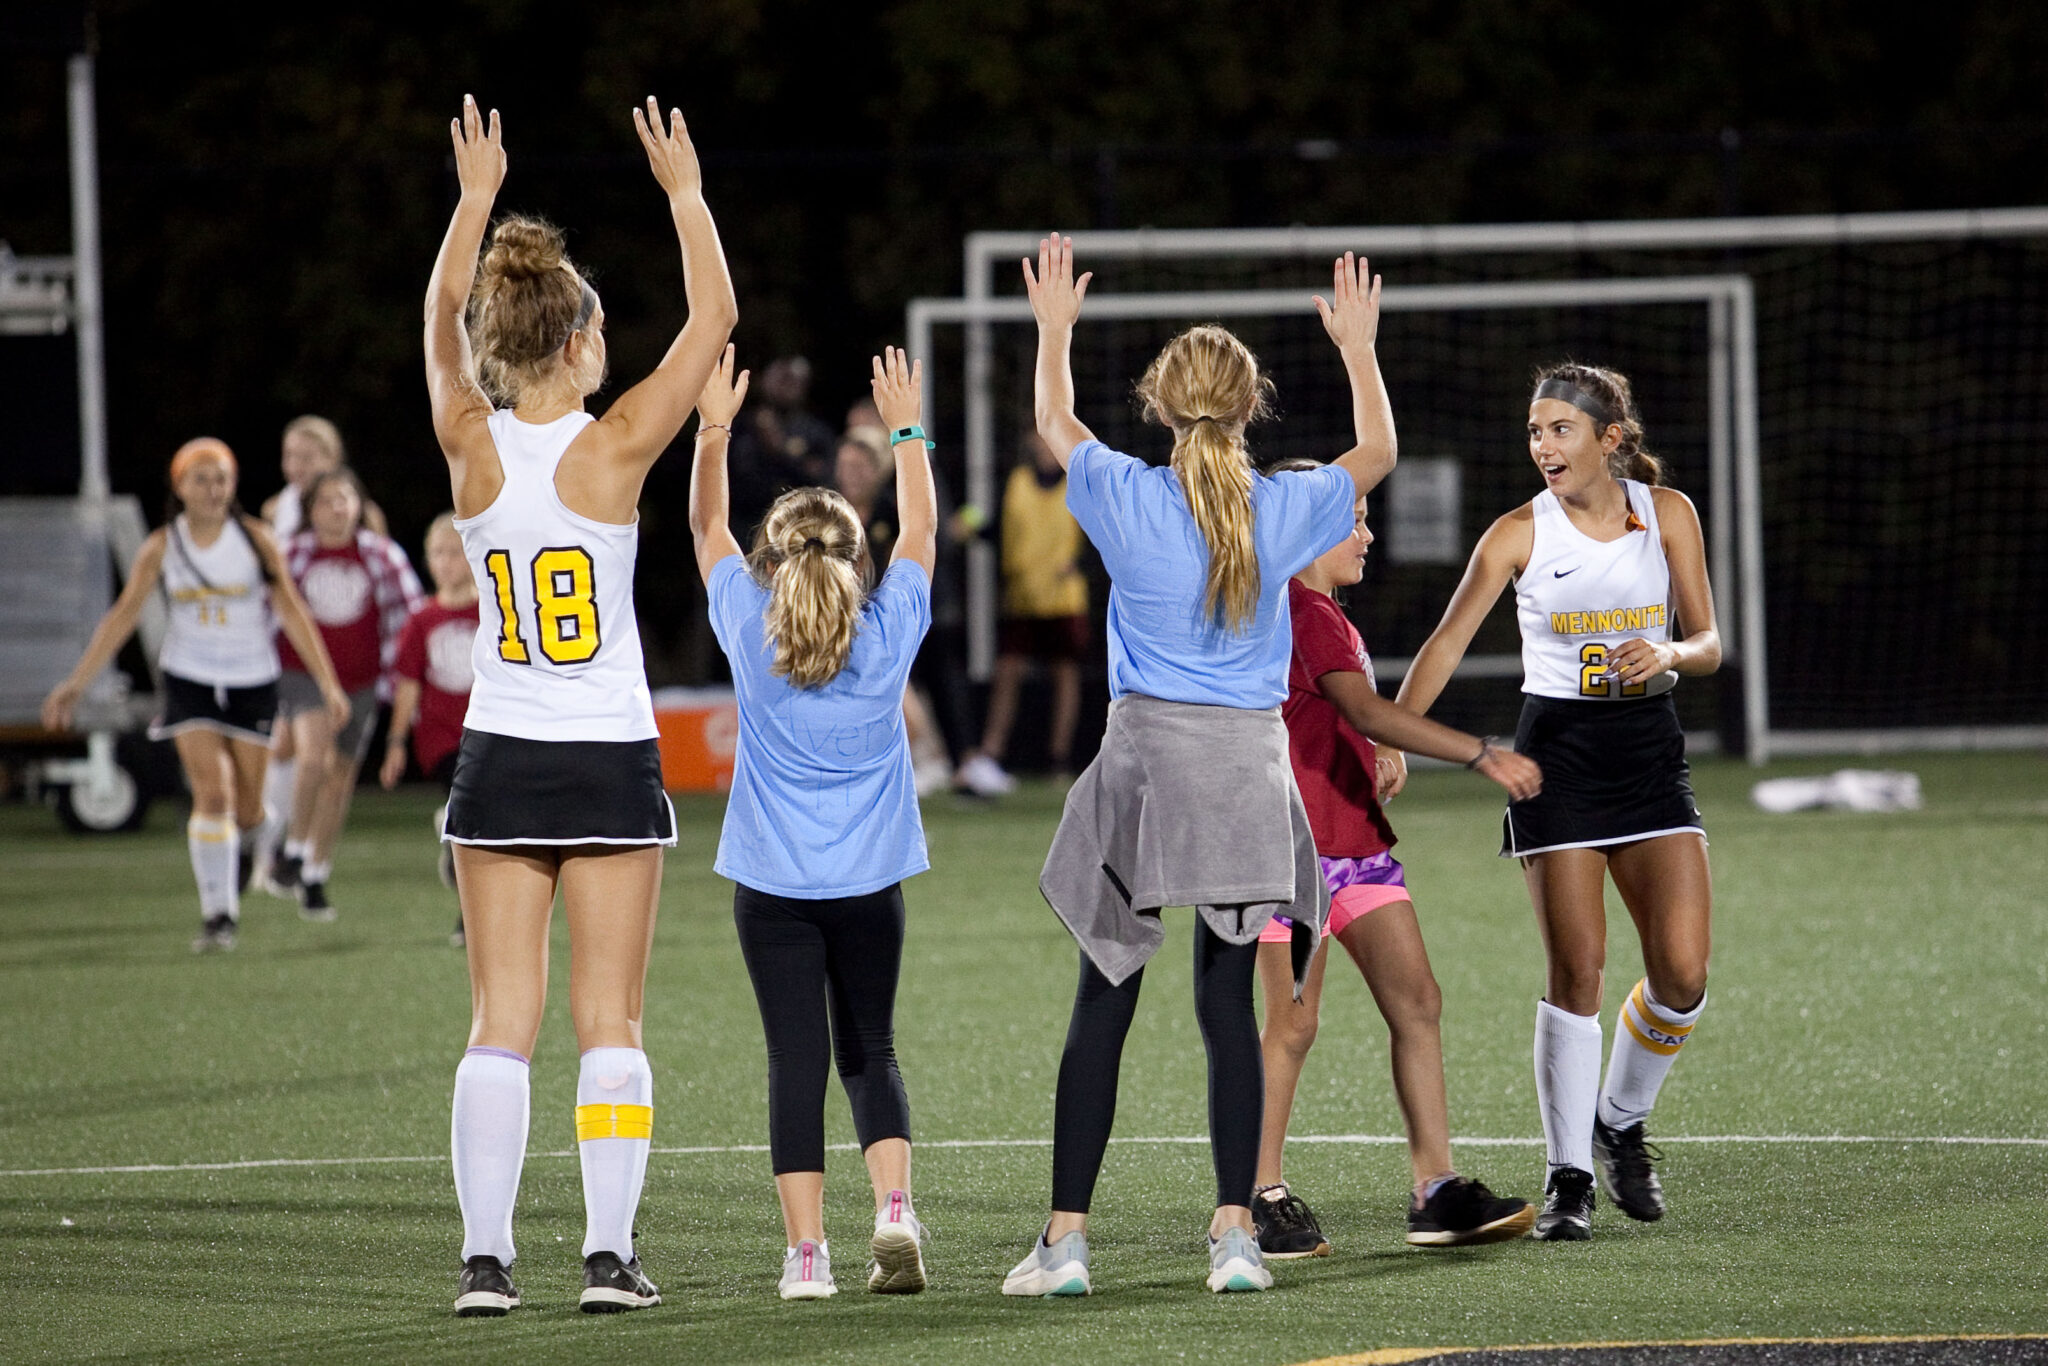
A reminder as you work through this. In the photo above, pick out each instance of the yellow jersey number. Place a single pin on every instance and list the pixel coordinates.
(1593, 681)
(564, 603)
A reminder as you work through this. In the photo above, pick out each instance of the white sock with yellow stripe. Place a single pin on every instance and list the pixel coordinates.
(614, 1130)
(492, 1106)
(1567, 1083)
(1645, 1045)
(215, 845)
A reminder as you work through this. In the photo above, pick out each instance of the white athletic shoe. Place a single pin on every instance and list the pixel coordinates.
(807, 1272)
(984, 777)
(898, 1249)
(1058, 1269)
(1236, 1264)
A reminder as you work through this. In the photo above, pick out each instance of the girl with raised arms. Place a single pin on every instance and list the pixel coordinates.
(1190, 801)
(224, 581)
(822, 825)
(1599, 559)
(557, 780)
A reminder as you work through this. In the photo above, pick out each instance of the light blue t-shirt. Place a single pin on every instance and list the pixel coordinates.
(1160, 643)
(823, 803)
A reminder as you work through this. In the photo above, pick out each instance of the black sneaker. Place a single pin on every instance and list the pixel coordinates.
(1567, 1215)
(313, 904)
(486, 1289)
(1625, 1172)
(1286, 1226)
(1462, 1213)
(282, 881)
(611, 1286)
(216, 935)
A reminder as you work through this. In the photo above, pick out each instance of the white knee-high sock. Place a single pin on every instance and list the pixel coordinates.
(1567, 1083)
(489, 1143)
(1646, 1043)
(614, 1130)
(215, 844)
(277, 808)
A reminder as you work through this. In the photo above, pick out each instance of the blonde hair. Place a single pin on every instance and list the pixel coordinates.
(1206, 386)
(321, 430)
(810, 555)
(445, 522)
(524, 307)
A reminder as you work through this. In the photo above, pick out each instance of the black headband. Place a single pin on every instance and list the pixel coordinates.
(1568, 392)
(586, 307)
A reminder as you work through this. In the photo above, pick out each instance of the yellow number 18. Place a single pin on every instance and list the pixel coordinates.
(564, 602)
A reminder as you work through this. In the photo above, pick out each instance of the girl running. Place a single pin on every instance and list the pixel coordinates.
(822, 825)
(434, 673)
(1190, 801)
(1334, 713)
(1599, 559)
(557, 779)
(360, 588)
(223, 579)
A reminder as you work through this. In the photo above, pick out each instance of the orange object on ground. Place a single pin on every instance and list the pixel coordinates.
(700, 730)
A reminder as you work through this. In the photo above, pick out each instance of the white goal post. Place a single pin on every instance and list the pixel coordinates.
(1735, 549)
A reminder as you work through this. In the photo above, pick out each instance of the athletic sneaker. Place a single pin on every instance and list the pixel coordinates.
(1051, 1269)
(984, 777)
(897, 1248)
(281, 879)
(313, 903)
(1286, 1226)
(1624, 1159)
(807, 1272)
(611, 1286)
(1461, 1213)
(486, 1289)
(1567, 1215)
(217, 935)
(1235, 1263)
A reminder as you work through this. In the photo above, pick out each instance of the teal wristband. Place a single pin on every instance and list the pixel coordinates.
(911, 433)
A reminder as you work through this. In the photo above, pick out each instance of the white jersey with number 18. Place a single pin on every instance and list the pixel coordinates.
(557, 649)
(1579, 598)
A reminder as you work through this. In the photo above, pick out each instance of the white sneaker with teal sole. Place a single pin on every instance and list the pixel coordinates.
(1235, 1263)
(807, 1272)
(1058, 1269)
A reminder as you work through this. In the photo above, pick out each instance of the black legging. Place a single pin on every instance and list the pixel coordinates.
(842, 955)
(1086, 1103)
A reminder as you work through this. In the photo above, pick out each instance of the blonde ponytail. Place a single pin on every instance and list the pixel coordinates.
(809, 556)
(1206, 386)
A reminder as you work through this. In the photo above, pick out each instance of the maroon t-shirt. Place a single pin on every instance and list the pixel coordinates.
(338, 592)
(434, 651)
(1333, 764)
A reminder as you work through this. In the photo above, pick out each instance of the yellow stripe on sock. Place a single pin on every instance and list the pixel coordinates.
(1655, 1046)
(614, 1121)
(208, 830)
(1640, 999)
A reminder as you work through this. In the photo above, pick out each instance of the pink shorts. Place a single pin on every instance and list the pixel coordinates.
(1358, 886)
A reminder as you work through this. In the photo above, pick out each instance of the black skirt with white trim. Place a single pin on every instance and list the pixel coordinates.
(238, 713)
(1613, 772)
(510, 791)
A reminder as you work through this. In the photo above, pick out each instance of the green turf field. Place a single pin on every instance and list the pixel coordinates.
(1876, 979)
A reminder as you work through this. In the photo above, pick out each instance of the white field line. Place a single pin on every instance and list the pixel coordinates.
(1361, 1140)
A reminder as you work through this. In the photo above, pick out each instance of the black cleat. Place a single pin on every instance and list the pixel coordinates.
(1626, 1173)
(282, 878)
(313, 903)
(1286, 1227)
(486, 1290)
(611, 1286)
(1567, 1215)
(216, 935)
(1463, 1213)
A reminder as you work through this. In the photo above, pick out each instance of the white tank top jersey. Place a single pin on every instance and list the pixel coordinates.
(221, 631)
(287, 514)
(557, 650)
(1580, 598)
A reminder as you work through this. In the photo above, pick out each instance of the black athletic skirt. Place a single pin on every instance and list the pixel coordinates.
(513, 791)
(1613, 772)
(238, 713)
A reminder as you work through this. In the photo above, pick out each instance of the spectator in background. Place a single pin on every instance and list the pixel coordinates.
(1045, 614)
(779, 444)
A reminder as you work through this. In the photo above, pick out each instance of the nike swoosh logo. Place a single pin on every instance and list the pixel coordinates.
(1560, 573)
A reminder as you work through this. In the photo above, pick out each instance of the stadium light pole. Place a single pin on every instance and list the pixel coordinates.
(87, 307)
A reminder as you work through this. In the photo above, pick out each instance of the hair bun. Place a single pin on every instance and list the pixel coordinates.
(523, 248)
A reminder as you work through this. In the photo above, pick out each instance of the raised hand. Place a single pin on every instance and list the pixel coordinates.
(1351, 315)
(899, 388)
(479, 151)
(670, 153)
(1055, 294)
(723, 394)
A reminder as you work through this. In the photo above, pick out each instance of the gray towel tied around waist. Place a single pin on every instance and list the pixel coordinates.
(1185, 805)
